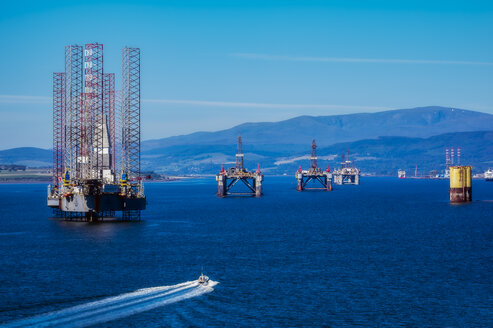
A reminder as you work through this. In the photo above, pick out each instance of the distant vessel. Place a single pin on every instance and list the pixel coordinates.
(488, 175)
(203, 279)
(401, 174)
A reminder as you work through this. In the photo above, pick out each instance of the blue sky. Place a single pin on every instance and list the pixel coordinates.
(209, 65)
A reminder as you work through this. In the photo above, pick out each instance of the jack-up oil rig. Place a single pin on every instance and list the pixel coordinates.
(347, 174)
(226, 179)
(314, 174)
(96, 137)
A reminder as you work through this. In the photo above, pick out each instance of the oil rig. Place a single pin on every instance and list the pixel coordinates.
(347, 174)
(227, 179)
(314, 174)
(96, 138)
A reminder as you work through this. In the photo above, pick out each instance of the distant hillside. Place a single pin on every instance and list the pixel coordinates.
(382, 155)
(416, 122)
(28, 156)
(385, 155)
(380, 143)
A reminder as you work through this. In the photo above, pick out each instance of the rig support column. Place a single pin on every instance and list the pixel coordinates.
(299, 179)
(328, 181)
(258, 185)
(460, 184)
(221, 185)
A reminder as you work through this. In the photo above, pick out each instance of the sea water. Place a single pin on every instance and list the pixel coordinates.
(389, 252)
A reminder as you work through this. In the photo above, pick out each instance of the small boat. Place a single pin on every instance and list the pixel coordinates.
(488, 175)
(203, 279)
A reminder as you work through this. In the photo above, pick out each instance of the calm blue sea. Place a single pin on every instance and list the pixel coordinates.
(387, 253)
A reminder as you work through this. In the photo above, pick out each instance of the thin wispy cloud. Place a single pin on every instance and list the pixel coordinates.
(255, 56)
(19, 99)
(258, 105)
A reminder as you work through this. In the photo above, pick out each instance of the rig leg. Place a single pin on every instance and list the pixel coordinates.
(258, 185)
(299, 179)
(328, 181)
(92, 216)
(460, 184)
(222, 182)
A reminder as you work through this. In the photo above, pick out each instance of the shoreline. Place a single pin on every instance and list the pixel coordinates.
(182, 178)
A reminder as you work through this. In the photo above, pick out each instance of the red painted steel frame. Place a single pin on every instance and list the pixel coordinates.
(58, 126)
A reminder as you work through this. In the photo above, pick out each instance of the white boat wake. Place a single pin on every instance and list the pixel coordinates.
(116, 307)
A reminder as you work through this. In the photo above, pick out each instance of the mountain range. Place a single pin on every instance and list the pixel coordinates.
(379, 142)
(416, 122)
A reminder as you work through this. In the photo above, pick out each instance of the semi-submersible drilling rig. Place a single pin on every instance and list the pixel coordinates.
(227, 179)
(96, 137)
(314, 174)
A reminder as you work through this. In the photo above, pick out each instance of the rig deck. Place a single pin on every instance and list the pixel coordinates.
(94, 202)
(304, 177)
